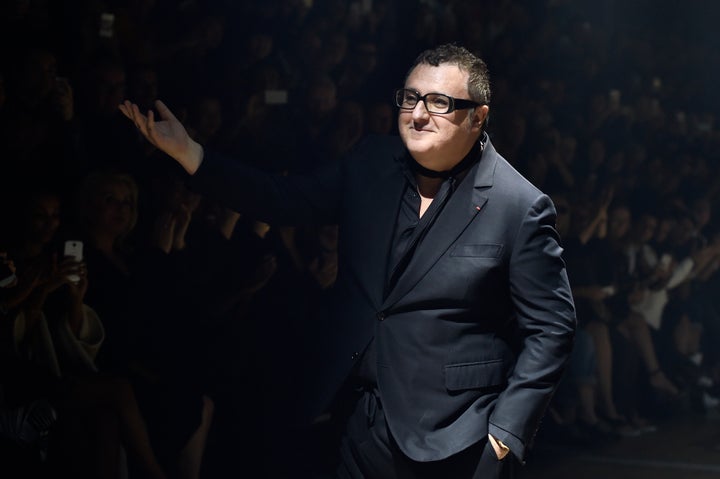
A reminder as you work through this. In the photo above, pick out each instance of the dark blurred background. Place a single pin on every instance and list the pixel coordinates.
(610, 107)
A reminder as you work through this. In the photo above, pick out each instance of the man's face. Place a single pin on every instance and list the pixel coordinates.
(440, 141)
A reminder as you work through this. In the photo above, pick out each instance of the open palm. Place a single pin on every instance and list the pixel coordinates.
(168, 134)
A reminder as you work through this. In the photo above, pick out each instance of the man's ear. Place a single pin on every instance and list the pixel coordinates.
(480, 115)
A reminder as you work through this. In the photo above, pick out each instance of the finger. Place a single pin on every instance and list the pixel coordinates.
(139, 119)
(70, 262)
(151, 123)
(128, 110)
(131, 108)
(164, 111)
(125, 109)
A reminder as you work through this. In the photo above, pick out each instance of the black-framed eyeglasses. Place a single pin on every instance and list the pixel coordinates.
(434, 102)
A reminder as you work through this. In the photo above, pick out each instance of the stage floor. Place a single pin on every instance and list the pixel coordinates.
(681, 448)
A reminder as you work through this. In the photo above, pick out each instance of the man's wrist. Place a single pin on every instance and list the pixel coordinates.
(501, 450)
(194, 157)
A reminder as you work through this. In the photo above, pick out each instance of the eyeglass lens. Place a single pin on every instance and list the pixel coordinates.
(434, 102)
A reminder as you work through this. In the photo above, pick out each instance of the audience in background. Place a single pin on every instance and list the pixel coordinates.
(54, 337)
(165, 331)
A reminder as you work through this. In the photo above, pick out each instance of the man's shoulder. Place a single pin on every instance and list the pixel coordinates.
(507, 176)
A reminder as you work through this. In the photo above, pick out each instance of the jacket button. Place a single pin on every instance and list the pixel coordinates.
(381, 316)
(354, 356)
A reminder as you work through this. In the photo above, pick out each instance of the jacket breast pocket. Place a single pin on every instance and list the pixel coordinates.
(479, 375)
(477, 250)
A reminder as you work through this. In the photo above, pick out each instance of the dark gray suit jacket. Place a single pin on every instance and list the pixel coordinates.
(474, 336)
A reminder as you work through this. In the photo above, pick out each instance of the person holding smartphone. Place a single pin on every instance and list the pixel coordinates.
(55, 339)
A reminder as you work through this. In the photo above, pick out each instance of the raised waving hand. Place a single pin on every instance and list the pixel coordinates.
(168, 134)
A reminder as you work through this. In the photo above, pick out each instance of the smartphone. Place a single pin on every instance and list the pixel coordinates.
(74, 249)
(107, 25)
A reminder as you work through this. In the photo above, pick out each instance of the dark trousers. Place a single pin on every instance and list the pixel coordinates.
(367, 450)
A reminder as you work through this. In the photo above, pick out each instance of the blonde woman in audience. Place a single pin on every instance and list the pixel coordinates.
(129, 277)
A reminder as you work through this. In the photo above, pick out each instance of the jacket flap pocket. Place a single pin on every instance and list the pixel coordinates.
(477, 250)
(474, 375)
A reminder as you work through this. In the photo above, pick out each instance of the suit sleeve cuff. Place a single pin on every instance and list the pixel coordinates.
(205, 174)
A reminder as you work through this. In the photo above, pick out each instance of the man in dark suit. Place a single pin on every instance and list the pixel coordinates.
(454, 313)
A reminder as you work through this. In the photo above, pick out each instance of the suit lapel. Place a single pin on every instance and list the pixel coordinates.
(464, 205)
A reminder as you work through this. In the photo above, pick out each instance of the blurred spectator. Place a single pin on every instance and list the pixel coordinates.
(38, 131)
(132, 290)
(379, 118)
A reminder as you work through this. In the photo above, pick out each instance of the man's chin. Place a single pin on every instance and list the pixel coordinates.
(418, 147)
(422, 157)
